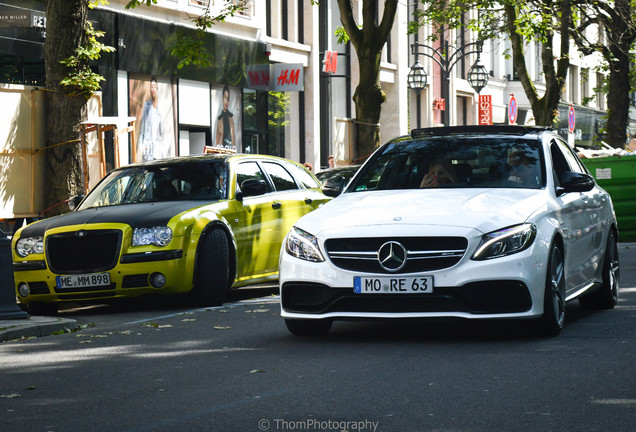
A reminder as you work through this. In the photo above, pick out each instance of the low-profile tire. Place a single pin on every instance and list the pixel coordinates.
(42, 309)
(212, 269)
(553, 318)
(606, 296)
(308, 327)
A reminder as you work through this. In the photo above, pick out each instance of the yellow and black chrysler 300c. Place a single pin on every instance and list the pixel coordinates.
(202, 224)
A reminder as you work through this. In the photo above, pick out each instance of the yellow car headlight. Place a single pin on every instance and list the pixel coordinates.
(29, 245)
(158, 236)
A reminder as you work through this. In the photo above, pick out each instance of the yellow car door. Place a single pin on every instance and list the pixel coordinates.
(256, 223)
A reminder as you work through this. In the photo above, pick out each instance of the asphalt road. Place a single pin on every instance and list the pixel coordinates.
(166, 367)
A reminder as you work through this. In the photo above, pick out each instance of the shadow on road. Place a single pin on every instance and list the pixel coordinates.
(445, 329)
(155, 303)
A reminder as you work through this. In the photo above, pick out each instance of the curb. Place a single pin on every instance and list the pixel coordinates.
(34, 326)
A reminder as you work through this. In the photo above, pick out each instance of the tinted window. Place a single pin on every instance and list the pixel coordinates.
(564, 159)
(249, 171)
(464, 161)
(573, 161)
(303, 176)
(280, 177)
(179, 181)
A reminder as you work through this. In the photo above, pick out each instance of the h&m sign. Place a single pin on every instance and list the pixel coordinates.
(277, 77)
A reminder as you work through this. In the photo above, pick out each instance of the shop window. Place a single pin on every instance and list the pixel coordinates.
(22, 70)
(585, 86)
(277, 122)
(267, 128)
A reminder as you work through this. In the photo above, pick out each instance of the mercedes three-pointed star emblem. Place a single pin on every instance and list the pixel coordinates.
(392, 256)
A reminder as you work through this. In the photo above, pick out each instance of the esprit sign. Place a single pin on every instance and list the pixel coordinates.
(485, 109)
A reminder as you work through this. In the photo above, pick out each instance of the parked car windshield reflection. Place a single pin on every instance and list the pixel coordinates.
(156, 183)
(450, 162)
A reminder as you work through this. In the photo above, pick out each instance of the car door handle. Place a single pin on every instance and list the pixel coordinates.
(276, 205)
(308, 200)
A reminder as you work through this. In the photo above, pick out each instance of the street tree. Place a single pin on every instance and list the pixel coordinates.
(520, 21)
(368, 39)
(609, 28)
(65, 107)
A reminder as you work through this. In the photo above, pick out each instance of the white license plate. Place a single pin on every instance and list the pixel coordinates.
(83, 280)
(393, 285)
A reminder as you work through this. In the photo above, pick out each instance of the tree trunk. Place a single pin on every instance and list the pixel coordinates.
(545, 108)
(368, 98)
(66, 31)
(618, 100)
(368, 40)
(621, 32)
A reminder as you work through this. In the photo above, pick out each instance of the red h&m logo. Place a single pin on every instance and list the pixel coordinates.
(259, 78)
(288, 76)
(330, 63)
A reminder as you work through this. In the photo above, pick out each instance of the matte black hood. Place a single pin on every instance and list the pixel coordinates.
(140, 215)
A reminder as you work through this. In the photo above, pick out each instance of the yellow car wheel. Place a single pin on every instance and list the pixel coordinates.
(212, 272)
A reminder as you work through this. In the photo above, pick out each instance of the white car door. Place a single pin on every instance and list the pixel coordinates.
(579, 221)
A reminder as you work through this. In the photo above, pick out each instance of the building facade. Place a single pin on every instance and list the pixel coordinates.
(278, 81)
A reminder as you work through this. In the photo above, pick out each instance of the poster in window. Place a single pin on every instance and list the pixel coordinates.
(152, 102)
(226, 117)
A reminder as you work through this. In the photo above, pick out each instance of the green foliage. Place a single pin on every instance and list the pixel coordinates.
(81, 80)
(536, 18)
(342, 35)
(134, 3)
(190, 50)
(278, 108)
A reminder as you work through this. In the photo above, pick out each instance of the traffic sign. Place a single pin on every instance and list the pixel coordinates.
(571, 119)
(512, 109)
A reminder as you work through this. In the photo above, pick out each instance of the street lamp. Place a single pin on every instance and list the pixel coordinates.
(417, 77)
(477, 76)
(416, 80)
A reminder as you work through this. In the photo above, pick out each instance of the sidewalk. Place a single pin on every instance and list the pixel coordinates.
(34, 326)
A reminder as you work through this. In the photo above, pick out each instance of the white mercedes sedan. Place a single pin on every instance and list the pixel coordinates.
(476, 222)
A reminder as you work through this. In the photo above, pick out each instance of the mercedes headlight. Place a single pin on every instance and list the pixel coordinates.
(303, 245)
(506, 242)
(158, 236)
(29, 245)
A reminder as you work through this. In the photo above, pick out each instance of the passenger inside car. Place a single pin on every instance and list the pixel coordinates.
(522, 168)
(441, 171)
